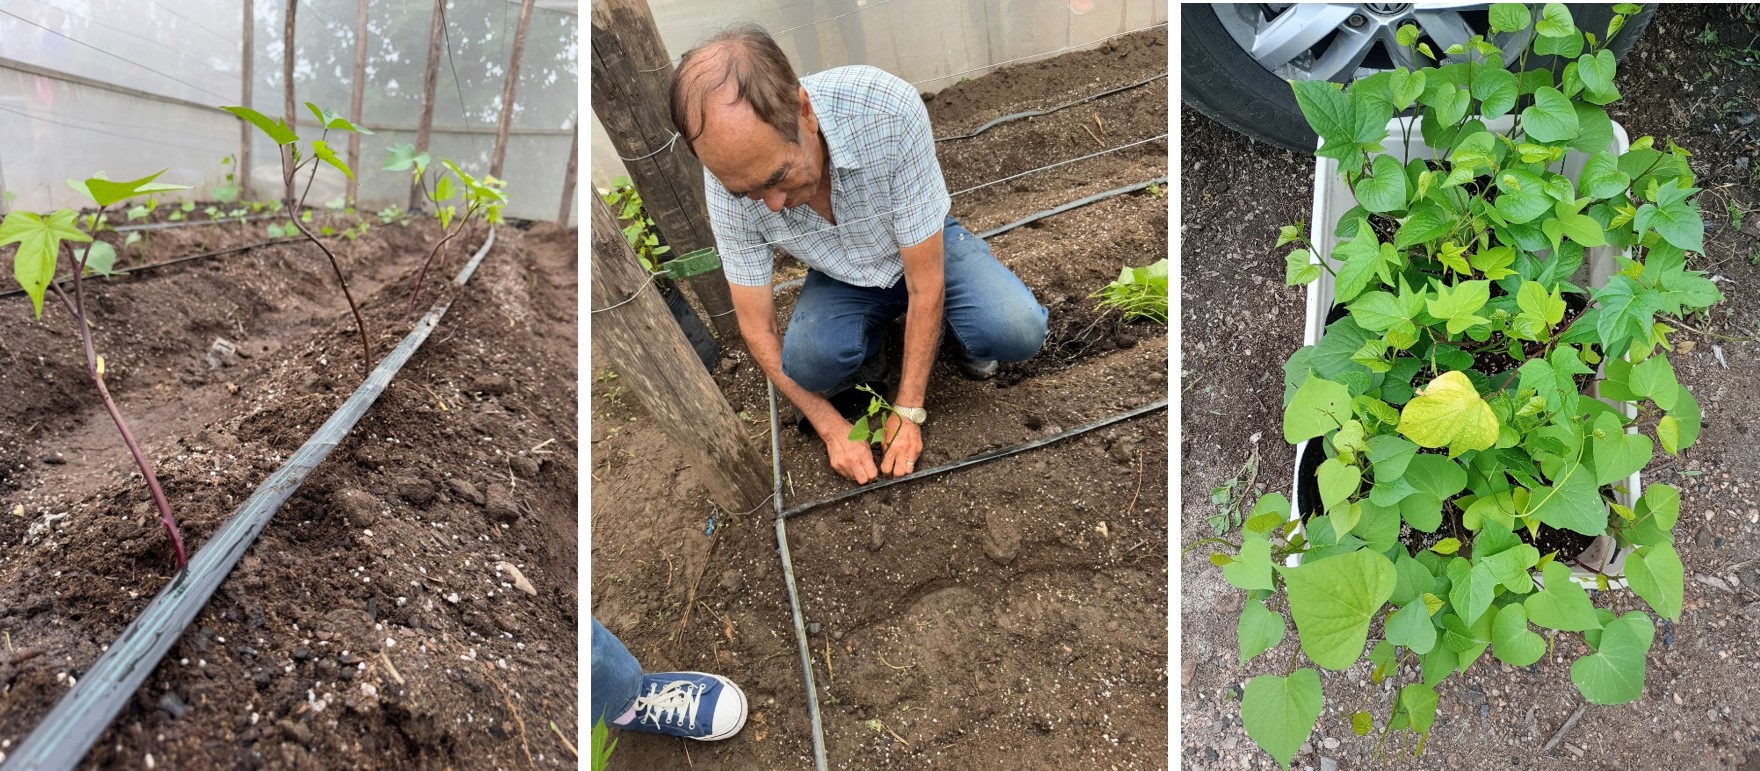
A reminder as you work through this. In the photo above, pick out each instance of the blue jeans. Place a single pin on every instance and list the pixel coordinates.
(835, 326)
(617, 678)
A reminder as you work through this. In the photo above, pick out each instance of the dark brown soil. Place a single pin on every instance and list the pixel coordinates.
(1008, 615)
(1699, 708)
(368, 627)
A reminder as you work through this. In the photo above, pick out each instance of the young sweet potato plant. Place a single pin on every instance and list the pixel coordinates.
(479, 197)
(40, 243)
(292, 162)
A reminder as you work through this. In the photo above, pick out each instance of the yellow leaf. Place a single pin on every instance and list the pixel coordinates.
(1449, 413)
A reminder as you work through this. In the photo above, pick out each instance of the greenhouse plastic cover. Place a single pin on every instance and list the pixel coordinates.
(931, 43)
(129, 88)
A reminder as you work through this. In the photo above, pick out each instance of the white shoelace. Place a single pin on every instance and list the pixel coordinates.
(676, 703)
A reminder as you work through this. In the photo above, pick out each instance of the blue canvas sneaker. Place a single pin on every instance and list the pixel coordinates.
(694, 705)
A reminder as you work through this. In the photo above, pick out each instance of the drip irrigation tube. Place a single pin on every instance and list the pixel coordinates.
(192, 223)
(782, 515)
(794, 598)
(975, 459)
(176, 260)
(994, 122)
(62, 739)
(1076, 204)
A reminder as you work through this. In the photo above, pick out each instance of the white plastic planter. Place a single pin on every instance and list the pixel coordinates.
(1332, 198)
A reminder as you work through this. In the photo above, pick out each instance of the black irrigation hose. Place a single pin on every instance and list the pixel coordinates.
(993, 123)
(191, 223)
(794, 598)
(1076, 204)
(975, 459)
(62, 739)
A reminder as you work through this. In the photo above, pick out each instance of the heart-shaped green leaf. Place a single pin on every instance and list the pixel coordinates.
(1561, 604)
(1333, 601)
(1385, 190)
(1511, 640)
(1551, 118)
(1338, 482)
(1259, 630)
(1319, 406)
(1251, 568)
(1410, 627)
(1614, 673)
(1655, 573)
(1279, 712)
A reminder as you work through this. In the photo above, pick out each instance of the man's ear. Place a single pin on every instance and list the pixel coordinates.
(806, 118)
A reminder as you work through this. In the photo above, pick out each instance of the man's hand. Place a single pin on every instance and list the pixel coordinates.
(851, 460)
(904, 444)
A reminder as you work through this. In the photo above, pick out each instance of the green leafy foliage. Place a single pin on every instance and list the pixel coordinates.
(1140, 293)
(1466, 390)
(871, 426)
(638, 228)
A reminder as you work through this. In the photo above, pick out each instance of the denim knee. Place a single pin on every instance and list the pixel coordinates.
(1016, 336)
(816, 363)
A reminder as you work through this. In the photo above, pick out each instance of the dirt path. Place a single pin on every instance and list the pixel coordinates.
(1239, 323)
(1005, 616)
(370, 625)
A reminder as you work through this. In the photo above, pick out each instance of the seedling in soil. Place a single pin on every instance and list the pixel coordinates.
(871, 426)
(228, 192)
(1141, 293)
(482, 197)
(40, 241)
(390, 214)
(292, 161)
(641, 232)
(601, 748)
(1464, 461)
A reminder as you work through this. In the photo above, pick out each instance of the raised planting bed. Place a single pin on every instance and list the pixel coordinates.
(1010, 614)
(373, 624)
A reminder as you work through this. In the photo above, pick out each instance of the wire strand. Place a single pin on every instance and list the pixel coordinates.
(663, 148)
(77, 41)
(633, 295)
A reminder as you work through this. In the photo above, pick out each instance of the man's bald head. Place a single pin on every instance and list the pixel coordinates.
(740, 65)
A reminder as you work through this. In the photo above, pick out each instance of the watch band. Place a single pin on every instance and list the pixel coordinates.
(913, 414)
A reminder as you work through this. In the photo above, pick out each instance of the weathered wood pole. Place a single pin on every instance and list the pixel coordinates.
(242, 169)
(288, 56)
(574, 156)
(425, 125)
(509, 87)
(641, 342)
(631, 76)
(359, 91)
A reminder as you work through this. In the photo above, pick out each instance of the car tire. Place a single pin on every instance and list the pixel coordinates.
(1222, 81)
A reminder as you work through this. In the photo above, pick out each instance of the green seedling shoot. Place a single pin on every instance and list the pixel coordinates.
(871, 426)
(601, 747)
(292, 162)
(42, 242)
(641, 232)
(1141, 293)
(480, 197)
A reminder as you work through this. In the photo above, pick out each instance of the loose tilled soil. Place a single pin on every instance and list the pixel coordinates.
(369, 626)
(1700, 709)
(1009, 615)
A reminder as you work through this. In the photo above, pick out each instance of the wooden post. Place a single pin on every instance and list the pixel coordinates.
(360, 86)
(631, 76)
(242, 169)
(288, 55)
(574, 155)
(639, 340)
(425, 126)
(509, 87)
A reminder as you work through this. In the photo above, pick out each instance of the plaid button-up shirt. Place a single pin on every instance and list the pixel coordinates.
(886, 189)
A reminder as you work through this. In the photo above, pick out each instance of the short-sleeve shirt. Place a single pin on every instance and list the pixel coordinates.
(886, 189)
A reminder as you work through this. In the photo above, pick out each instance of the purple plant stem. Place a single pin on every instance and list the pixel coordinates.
(293, 214)
(76, 307)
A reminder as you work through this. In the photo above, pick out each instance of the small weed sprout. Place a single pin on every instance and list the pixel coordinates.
(291, 164)
(40, 241)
